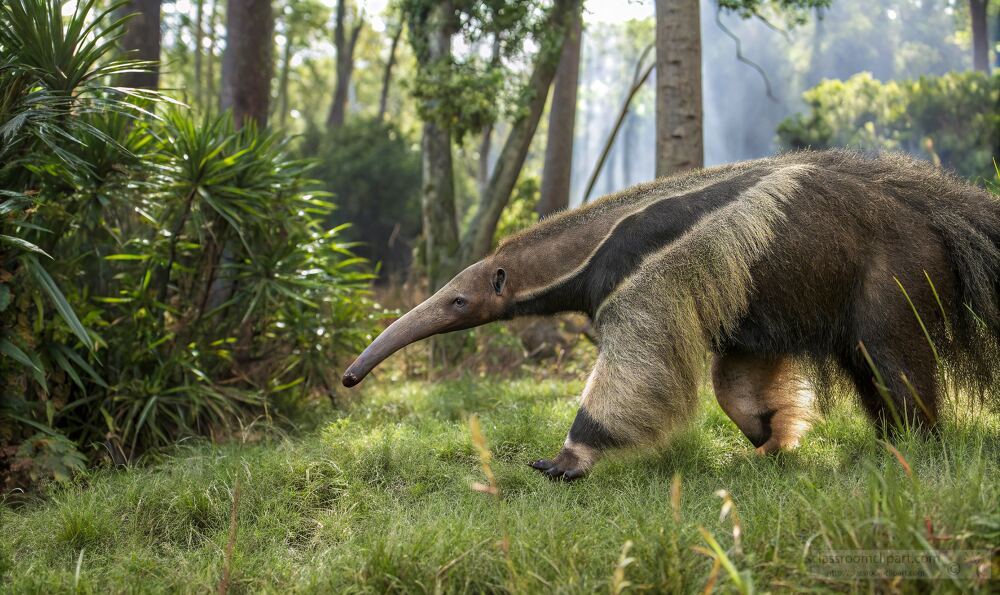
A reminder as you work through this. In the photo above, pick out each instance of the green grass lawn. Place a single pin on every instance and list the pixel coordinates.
(381, 499)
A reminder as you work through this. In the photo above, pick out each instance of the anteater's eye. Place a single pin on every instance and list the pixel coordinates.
(459, 302)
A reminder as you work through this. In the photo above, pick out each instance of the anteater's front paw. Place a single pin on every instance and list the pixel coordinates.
(566, 466)
(558, 471)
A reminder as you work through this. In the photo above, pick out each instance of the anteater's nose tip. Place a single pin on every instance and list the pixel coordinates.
(350, 379)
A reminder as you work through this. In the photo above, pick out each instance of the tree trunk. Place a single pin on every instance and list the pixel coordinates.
(142, 40)
(996, 39)
(558, 169)
(438, 188)
(679, 143)
(345, 64)
(438, 206)
(383, 101)
(486, 136)
(485, 152)
(628, 150)
(286, 67)
(248, 61)
(199, 38)
(980, 36)
(247, 66)
(477, 242)
(213, 19)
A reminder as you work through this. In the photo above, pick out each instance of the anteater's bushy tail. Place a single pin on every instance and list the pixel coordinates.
(967, 218)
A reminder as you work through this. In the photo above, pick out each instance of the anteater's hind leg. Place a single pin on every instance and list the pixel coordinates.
(902, 389)
(626, 402)
(908, 393)
(769, 402)
(888, 354)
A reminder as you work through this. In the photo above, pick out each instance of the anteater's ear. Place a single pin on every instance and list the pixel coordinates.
(499, 279)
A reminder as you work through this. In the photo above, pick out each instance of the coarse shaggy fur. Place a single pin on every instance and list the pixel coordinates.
(871, 269)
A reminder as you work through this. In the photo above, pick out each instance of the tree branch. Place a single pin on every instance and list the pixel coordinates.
(639, 78)
(767, 23)
(744, 59)
(387, 74)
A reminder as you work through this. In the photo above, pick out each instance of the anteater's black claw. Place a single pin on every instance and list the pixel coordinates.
(557, 471)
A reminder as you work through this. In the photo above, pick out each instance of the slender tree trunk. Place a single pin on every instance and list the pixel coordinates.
(485, 150)
(639, 78)
(210, 56)
(438, 205)
(431, 33)
(679, 143)
(286, 67)
(438, 190)
(980, 36)
(383, 101)
(609, 174)
(628, 150)
(477, 242)
(247, 67)
(558, 169)
(142, 40)
(486, 136)
(199, 38)
(996, 40)
(247, 64)
(345, 64)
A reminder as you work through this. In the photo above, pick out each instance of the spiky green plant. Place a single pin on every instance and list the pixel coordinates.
(160, 275)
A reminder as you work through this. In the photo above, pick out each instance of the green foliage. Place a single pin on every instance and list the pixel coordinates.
(51, 454)
(951, 119)
(466, 94)
(462, 96)
(373, 171)
(66, 57)
(160, 276)
(794, 11)
(381, 499)
(520, 212)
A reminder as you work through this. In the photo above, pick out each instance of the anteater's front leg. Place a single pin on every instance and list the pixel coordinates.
(587, 439)
(625, 403)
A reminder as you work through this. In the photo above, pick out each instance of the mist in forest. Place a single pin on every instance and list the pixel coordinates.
(892, 39)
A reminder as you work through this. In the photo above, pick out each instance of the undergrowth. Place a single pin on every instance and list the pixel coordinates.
(394, 496)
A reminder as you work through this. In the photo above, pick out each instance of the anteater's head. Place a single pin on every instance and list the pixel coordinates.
(479, 294)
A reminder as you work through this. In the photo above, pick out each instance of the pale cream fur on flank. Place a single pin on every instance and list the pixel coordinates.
(658, 324)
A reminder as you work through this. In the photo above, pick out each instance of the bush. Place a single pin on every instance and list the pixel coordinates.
(952, 119)
(373, 171)
(160, 276)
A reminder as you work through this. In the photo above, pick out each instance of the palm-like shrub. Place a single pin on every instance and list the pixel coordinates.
(159, 275)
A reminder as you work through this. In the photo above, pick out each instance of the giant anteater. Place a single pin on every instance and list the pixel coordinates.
(883, 268)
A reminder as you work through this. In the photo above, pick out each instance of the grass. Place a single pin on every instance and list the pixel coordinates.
(381, 500)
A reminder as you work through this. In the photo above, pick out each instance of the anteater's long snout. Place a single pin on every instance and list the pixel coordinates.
(415, 325)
